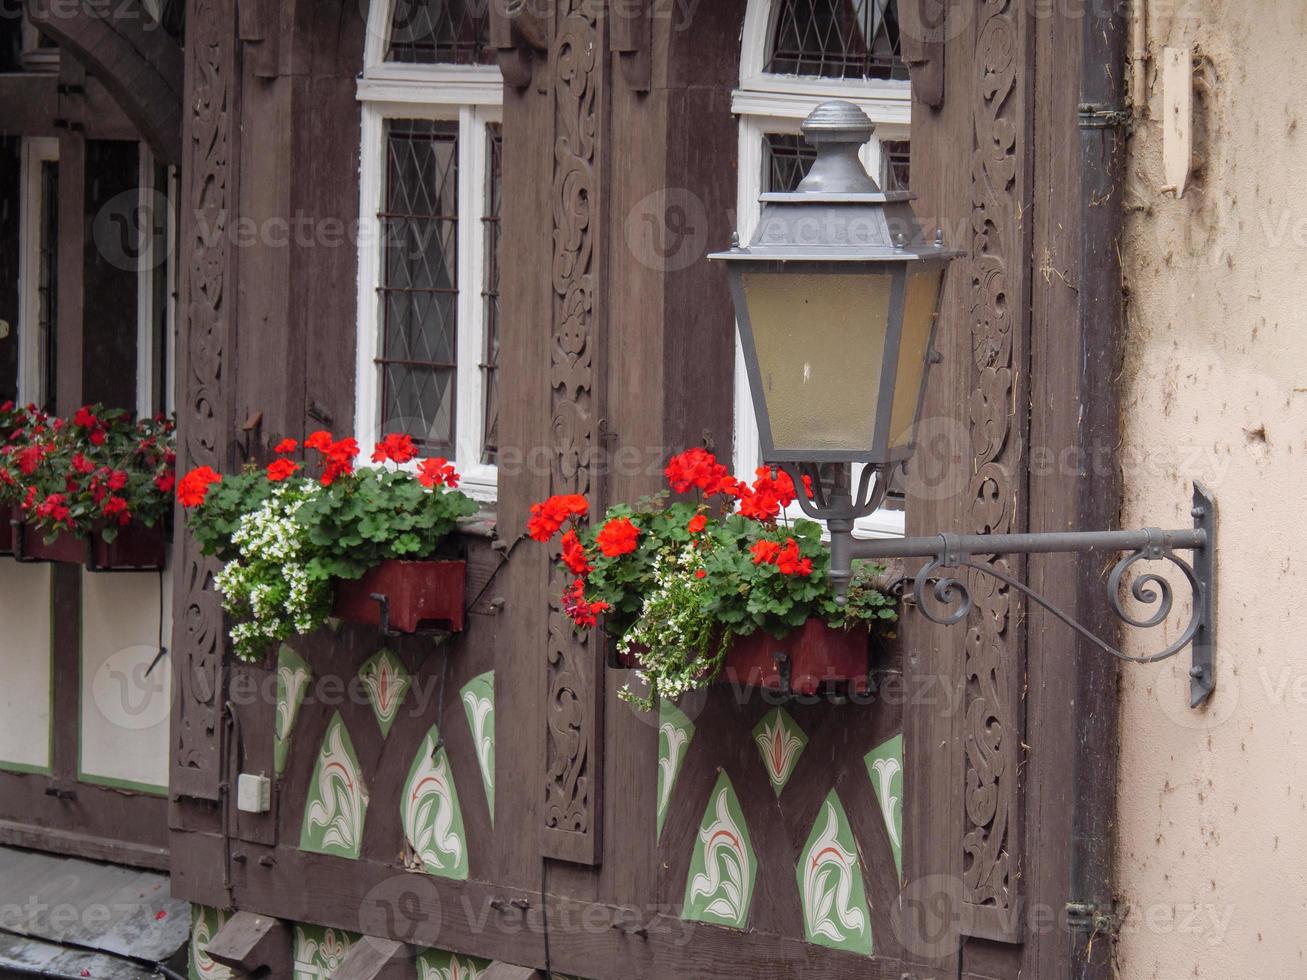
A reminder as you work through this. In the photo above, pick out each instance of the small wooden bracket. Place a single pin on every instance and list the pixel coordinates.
(377, 959)
(251, 943)
(259, 28)
(519, 33)
(923, 29)
(631, 34)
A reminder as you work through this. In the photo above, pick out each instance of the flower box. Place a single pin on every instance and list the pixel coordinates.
(6, 532)
(812, 657)
(137, 548)
(417, 594)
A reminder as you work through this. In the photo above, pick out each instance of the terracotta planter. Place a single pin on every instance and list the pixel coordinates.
(6, 532)
(813, 656)
(137, 548)
(417, 594)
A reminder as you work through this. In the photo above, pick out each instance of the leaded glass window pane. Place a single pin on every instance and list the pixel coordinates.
(896, 159)
(432, 32)
(420, 282)
(786, 160)
(836, 39)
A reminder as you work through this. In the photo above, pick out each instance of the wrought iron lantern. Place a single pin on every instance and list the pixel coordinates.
(837, 299)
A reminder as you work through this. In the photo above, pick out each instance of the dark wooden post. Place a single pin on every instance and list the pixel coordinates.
(203, 406)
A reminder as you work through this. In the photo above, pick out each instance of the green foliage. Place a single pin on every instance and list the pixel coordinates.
(375, 515)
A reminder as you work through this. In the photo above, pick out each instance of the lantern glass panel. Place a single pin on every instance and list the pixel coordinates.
(921, 301)
(820, 345)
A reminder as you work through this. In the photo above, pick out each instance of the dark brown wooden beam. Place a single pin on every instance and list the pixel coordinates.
(136, 61)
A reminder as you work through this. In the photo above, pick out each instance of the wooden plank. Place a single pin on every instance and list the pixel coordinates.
(1077, 323)
(936, 492)
(574, 673)
(995, 643)
(82, 844)
(209, 283)
(251, 943)
(377, 959)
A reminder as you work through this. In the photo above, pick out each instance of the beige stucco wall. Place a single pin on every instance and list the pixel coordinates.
(1212, 853)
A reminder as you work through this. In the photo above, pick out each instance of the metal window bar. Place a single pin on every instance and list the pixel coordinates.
(419, 292)
(837, 39)
(453, 32)
(896, 164)
(490, 294)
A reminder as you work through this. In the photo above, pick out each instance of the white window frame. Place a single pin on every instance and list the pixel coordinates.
(145, 366)
(472, 96)
(777, 104)
(36, 151)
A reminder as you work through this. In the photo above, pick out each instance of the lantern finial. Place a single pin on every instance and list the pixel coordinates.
(838, 129)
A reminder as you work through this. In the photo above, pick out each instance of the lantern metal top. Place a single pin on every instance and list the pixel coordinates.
(839, 213)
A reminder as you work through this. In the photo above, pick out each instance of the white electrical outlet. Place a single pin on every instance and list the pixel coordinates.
(253, 793)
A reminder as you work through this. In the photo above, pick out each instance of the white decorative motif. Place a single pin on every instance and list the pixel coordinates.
(295, 681)
(885, 770)
(828, 882)
(340, 801)
(430, 812)
(780, 743)
(319, 955)
(386, 683)
(479, 705)
(726, 878)
(677, 739)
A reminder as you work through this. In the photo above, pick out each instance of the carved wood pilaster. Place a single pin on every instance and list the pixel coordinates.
(203, 404)
(575, 675)
(994, 667)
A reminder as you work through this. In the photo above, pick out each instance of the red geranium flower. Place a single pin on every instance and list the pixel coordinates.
(166, 481)
(438, 472)
(281, 469)
(550, 515)
(699, 468)
(788, 561)
(320, 440)
(581, 612)
(617, 537)
(82, 465)
(285, 446)
(117, 479)
(574, 556)
(395, 448)
(697, 523)
(85, 419)
(116, 507)
(194, 486)
(765, 552)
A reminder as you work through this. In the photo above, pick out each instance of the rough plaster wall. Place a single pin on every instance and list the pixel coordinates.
(1212, 856)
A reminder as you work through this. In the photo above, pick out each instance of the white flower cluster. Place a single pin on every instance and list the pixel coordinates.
(268, 588)
(680, 647)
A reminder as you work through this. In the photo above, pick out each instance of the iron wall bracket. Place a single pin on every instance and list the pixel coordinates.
(946, 598)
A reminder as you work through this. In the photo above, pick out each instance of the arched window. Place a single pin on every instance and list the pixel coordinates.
(797, 54)
(429, 233)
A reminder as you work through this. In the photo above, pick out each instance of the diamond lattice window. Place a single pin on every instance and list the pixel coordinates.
(432, 32)
(836, 39)
(420, 282)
